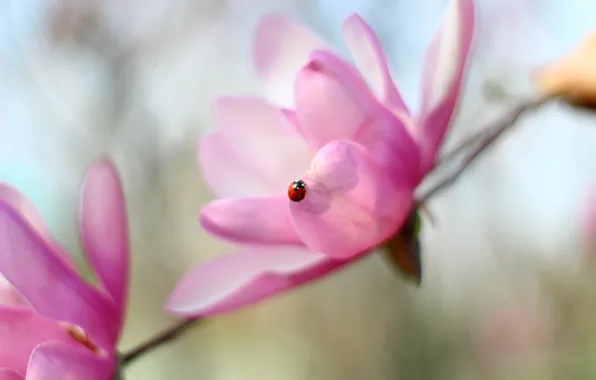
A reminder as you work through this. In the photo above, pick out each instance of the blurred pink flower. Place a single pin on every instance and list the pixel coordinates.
(515, 338)
(587, 227)
(66, 329)
(351, 144)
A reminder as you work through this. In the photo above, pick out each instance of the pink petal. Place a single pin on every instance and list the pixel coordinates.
(57, 361)
(332, 100)
(293, 120)
(370, 60)
(388, 141)
(9, 296)
(9, 374)
(443, 75)
(255, 151)
(52, 287)
(351, 203)
(104, 229)
(21, 330)
(281, 48)
(230, 282)
(15, 198)
(250, 220)
(333, 103)
(20, 202)
(216, 157)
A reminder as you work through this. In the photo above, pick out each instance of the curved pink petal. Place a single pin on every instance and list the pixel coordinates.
(104, 229)
(333, 103)
(443, 76)
(250, 220)
(293, 120)
(20, 202)
(351, 202)
(230, 282)
(281, 47)
(370, 60)
(256, 149)
(10, 374)
(332, 100)
(21, 330)
(388, 141)
(216, 157)
(53, 288)
(57, 361)
(9, 296)
(15, 198)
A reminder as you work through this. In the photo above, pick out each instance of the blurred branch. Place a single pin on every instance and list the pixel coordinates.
(460, 148)
(481, 142)
(166, 336)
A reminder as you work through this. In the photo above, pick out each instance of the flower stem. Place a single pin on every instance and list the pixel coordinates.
(164, 337)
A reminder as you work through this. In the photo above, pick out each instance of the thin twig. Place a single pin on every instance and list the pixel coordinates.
(467, 143)
(158, 340)
(484, 141)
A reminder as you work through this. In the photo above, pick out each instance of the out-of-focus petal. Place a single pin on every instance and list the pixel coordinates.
(10, 374)
(9, 296)
(20, 202)
(250, 275)
(281, 47)
(15, 198)
(370, 60)
(332, 100)
(52, 287)
(250, 220)
(443, 75)
(21, 330)
(293, 120)
(104, 229)
(57, 361)
(351, 204)
(225, 173)
(256, 150)
(587, 224)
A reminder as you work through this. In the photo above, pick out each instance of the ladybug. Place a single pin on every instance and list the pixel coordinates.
(297, 190)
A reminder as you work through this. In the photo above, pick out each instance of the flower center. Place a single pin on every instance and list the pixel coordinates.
(80, 336)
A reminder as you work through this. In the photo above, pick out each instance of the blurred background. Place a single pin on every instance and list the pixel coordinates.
(508, 289)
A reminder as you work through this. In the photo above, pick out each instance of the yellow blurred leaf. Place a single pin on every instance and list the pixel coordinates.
(573, 77)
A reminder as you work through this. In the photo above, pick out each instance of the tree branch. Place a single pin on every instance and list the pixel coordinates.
(482, 141)
(158, 340)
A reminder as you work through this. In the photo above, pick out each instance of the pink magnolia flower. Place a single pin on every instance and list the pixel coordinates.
(67, 329)
(354, 149)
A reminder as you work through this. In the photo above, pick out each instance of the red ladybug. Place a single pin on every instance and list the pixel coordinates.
(297, 190)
